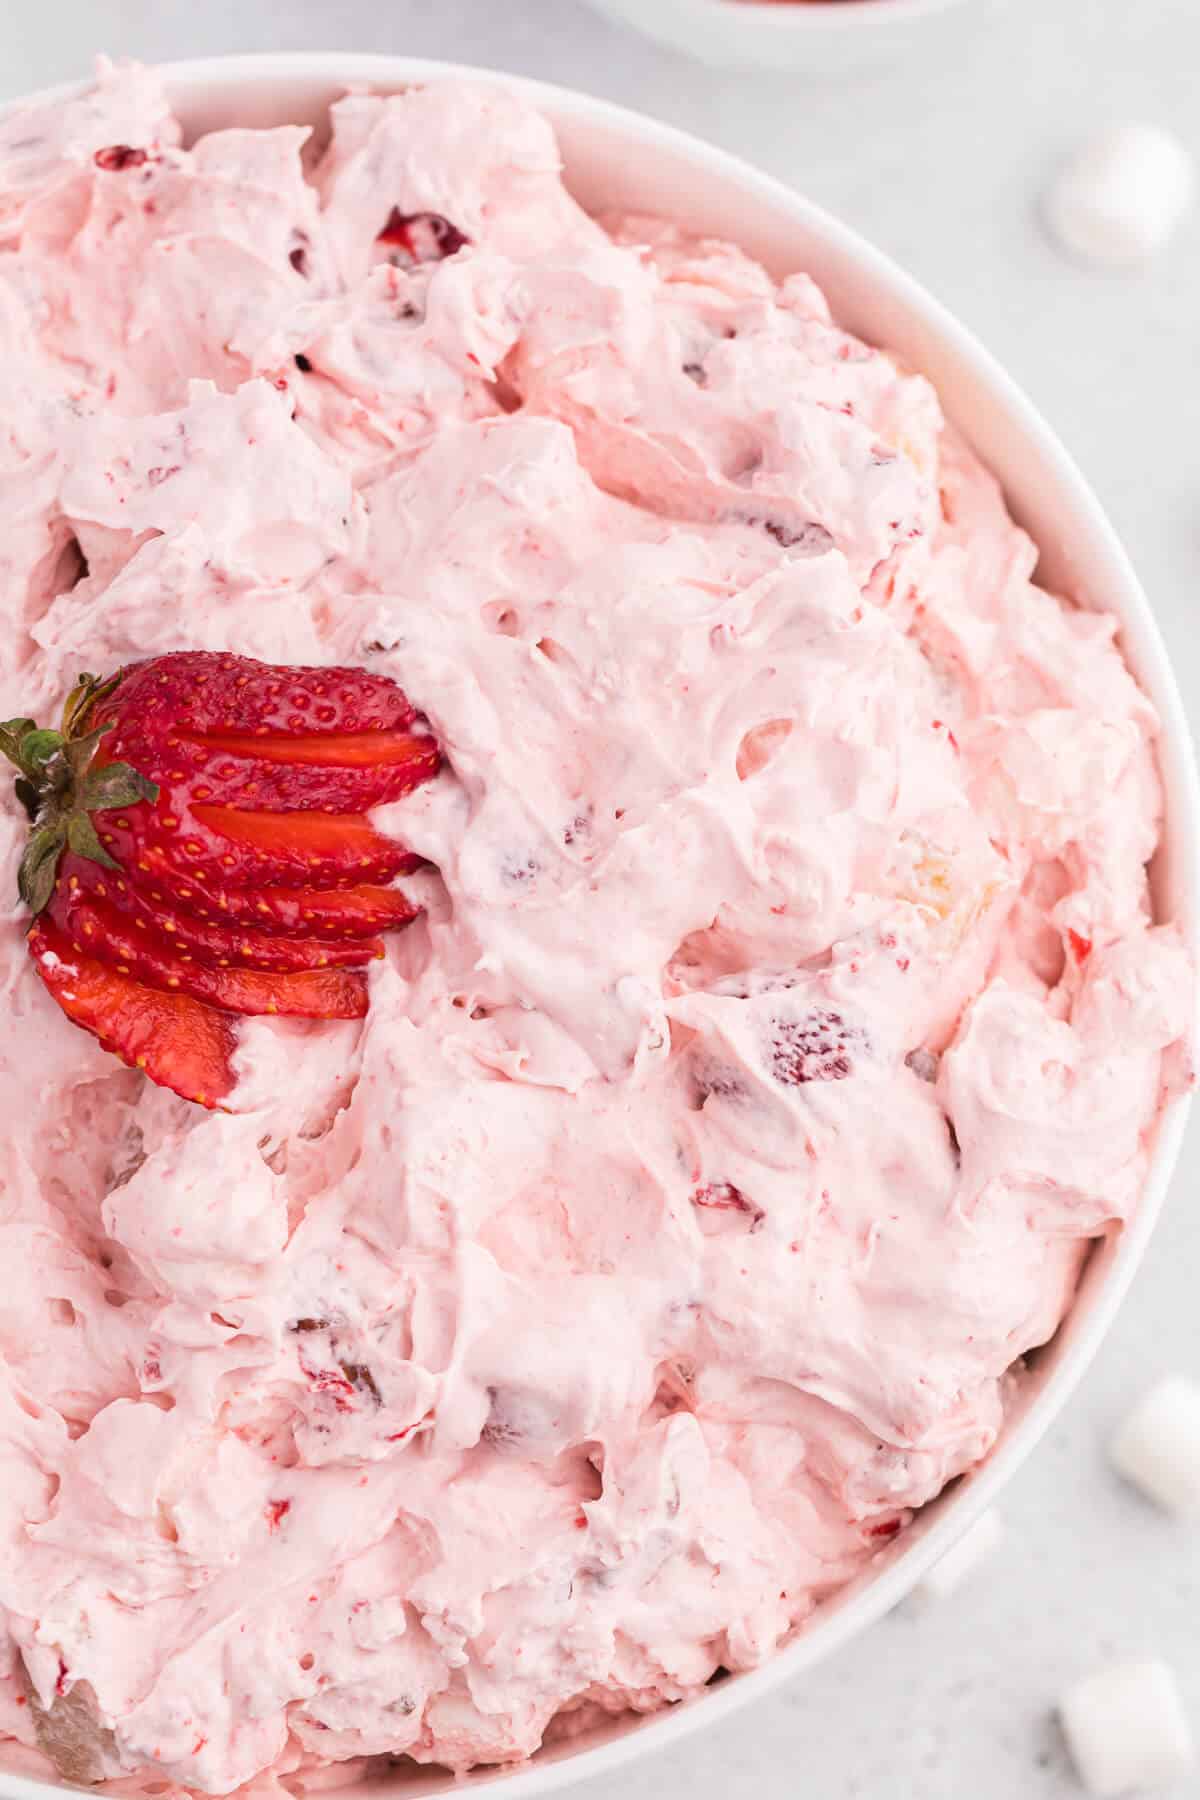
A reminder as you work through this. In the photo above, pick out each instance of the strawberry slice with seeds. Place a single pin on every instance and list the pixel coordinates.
(229, 730)
(350, 912)
(367, 751)
(265, 775)
(218, 946)
(175, 1040)
(345, 914)
(200, 833)
(95, 928)
(300, 849)
(221, 861)
(215, 848)
(278, 774)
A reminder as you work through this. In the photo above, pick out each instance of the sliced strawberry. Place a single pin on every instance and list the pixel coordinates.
(198, 690)
(344, 913)
(225, 729)
(94, 926)
(271, 774)
(269, 951)
(197, 857)
(420, 237)
(304, 849)
(265, 775)
(218, 847)
(360, 749)
(259, 944)
(175, 1040)
(349, 912)
(371, 750)
(201, 831)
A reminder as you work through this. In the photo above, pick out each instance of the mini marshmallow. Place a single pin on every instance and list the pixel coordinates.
(1120, 197)
(1125, 1728)
(960, 1561)
(1158, 1446)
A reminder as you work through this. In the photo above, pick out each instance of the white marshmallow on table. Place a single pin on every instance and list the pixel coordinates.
(960, 1561)
(1158, 1446)
(1120, 197)
(1125, 1728)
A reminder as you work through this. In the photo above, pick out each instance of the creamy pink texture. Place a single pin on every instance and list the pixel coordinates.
(739, 1112)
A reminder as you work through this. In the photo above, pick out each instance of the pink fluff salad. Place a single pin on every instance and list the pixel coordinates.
(786, 1017)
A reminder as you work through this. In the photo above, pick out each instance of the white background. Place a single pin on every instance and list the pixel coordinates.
(941, 164)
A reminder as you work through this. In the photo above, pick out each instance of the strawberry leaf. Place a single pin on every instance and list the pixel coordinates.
(39, 865)
(36, 748)
(79, 751)
(114, 785)
(59, 789)
(81, 835)
(28, 795)
(11, 733)
(87, 690)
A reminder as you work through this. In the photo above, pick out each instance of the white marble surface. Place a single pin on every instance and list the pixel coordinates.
(941, 165)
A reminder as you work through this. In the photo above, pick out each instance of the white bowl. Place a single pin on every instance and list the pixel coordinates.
(617, 158)
(822, 37)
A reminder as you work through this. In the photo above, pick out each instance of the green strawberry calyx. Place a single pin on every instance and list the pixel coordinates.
(60, 788)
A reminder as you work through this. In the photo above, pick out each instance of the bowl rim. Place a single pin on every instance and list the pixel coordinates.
(951, 1514)
(774, 21)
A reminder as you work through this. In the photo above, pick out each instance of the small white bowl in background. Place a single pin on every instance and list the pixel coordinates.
(816, 37)
(614, 158)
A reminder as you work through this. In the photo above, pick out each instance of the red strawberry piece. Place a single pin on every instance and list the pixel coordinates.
(94, 926)
(115, 157)
(278, 933)
(421, 237)
(348, 913)
(226, 848)
(241, 733)
(265, 774)
(302, 849)
(820, 1047)
(808, 536)
(217, 946)
(351, 912)
(176, 1041)
(263, 883)
(723, 1197)
(209, 814)
(724, 1207)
